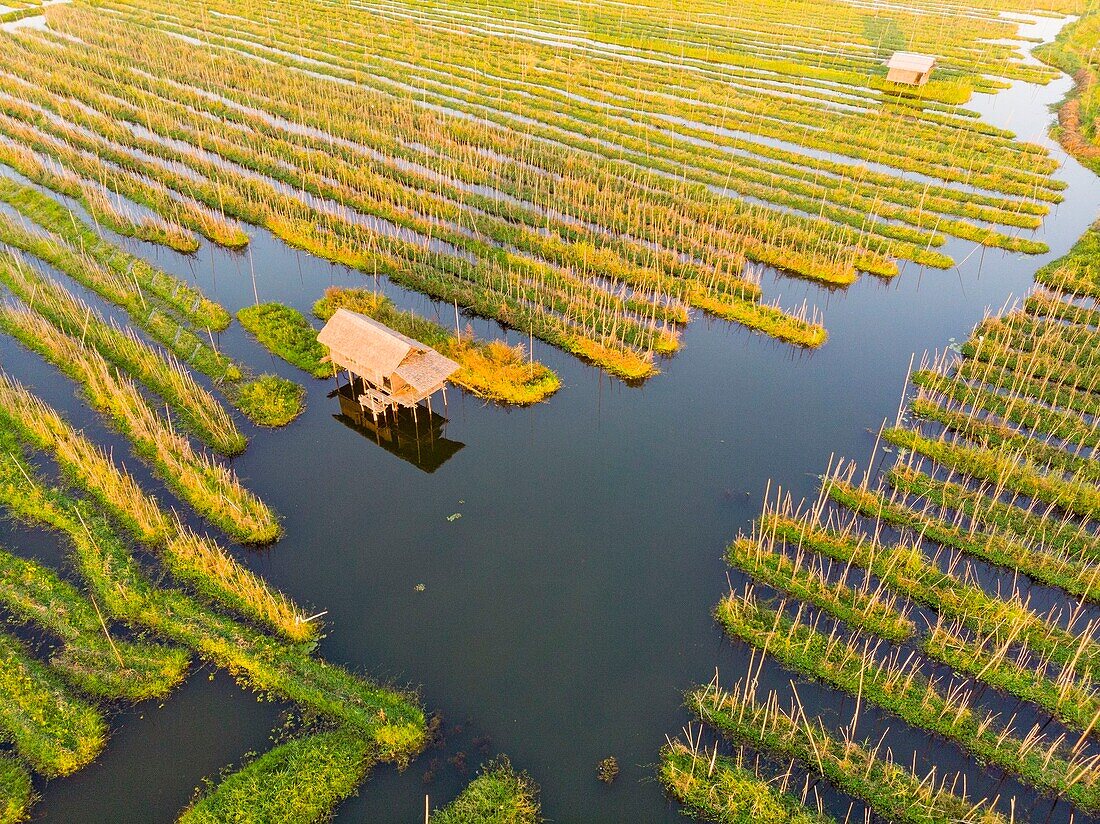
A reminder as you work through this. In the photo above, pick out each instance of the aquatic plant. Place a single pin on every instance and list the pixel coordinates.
(893, 681)
(210, 487)
(16, 791)
(301, 780)
(718, 788)
(55, 732)
(285, 332)
(891, 790)
(499, 795)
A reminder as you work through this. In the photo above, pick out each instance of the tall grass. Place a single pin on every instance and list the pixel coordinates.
(727, 791)
(90, 657)
(390, 718)
(860, 769)
(197, 409)
(211, 488)
(16, 791)
(893, 681)
(194, 559)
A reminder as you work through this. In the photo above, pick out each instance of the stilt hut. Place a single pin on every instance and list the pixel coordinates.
(909, 68)
(386, 370)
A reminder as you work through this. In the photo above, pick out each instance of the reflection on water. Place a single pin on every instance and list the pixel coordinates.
(415, 435)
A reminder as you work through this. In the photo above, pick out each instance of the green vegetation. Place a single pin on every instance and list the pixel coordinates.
(872, 610)
(392, 720)
(285, 332)
(16, 793)
(96, 201)
(1074, 52)
(166, 314)
(269, 400)
(53, 731)
(995, 462)
(492, 370)
(1079, 271)
(499, 795)
(892, 791)
(907, 571)
(724, 790)
(170, 292)
(211, 488)
(191, 558)
(566, 209)
(895, 683)
(197, 409)
(1042, 564)
(89, 657)
(299, 782)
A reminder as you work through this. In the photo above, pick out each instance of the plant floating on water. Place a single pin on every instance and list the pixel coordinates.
(285, 332)
(608, 769)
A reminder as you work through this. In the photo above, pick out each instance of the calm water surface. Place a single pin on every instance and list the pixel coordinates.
(567, 609)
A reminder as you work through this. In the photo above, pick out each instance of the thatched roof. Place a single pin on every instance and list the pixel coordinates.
(374, 351)
(911, 62)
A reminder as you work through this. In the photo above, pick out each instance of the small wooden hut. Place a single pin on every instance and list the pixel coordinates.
(386, 370)
(909, 68)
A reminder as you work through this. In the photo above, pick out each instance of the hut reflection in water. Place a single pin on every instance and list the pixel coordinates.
(419, 439)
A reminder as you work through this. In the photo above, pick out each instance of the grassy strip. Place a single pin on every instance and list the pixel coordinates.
(193, 559)
(897, 686)
(1013, 407)
(1074, 703)
(142, 190)
(720, 789)
(98, 664)
(121, 289)
(988, 433)
(1043, 527)
(1073, 51)
(199, 411)
(16, 792)
(54, 732)
(1040, 365)
(391, 719)
(892, 791)
(285, 332)
(1077, 272)
(1005, 468)
(499, 795)
(1042, 388)
(211, 488)
(299, 782)
(491, 370)
(1046, 304)
(160, 325)
(97, 203)
(873, 611)
(180, 297)
(566, 309)
(906, 570)
(1042, 565)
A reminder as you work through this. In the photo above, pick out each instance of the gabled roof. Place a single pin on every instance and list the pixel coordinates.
(366, 342)
(911, 62)
(426, 370)
(373, 350)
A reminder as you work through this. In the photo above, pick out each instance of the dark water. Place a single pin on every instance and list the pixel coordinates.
(563, 614)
